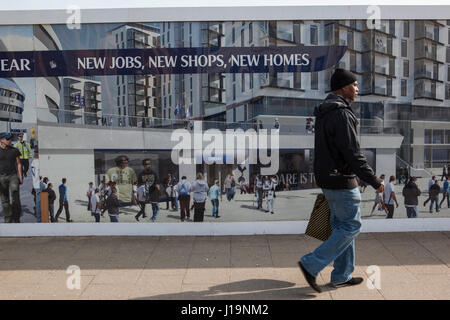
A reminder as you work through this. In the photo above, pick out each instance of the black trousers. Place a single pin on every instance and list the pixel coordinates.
(199, 211)
(25, 165)
(390, 209)
(65, 205)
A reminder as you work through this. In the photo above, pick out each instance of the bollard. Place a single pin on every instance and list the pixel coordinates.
(44, 207)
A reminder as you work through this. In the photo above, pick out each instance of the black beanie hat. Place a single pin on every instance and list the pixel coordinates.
(341, 78)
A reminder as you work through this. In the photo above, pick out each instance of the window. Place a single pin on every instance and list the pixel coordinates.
(233, 35)
(353, 62)
(448, 72)
(314, 81)
(234, 91)
(250, 32)
(389, 87)
(297, 32)
(447, 58)
(123, 100)
(447, 91)
(404, 48)
(428, 136)
(117, 38)
(242, 38)
(121, 36)
(118, 91)
(404, 86)
(313, 35)
(438, 136)
(251, 81)
(298, 80)
(243, 82)
(406, 68)
(118, 101)
(406, 29)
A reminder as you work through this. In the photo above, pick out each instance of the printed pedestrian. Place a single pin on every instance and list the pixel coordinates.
(214, 194)
(435, 189)
(389, 198)
(200, 190)
(445, 193)
(10, 179)
(184, 189)
(25, 153)
(63, 201)
(411, 192)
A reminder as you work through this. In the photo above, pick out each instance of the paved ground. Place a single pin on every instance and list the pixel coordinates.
(412, 265)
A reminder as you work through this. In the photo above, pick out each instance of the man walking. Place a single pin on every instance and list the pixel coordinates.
(10, 179)
(51, 201)
(411, 192)
(214, 194)
(435, 189)
(150, 179)
(184, 189)
(430, 183)
(445, 193)
(25, 153)
(200, 190)
(337, 162)
(389, 198)
(63, 203)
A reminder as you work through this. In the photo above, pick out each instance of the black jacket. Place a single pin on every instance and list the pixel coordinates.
(411, 192)
(435, 189)
(338, 159)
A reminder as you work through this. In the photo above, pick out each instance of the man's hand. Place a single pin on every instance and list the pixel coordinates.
(20, 180)
(381, 188)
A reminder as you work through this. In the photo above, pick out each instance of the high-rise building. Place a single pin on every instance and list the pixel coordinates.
(200, 96)
(403, 71)
(137, 96)
(81, 101)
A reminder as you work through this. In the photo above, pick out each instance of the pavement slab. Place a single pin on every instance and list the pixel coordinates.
(413, 265)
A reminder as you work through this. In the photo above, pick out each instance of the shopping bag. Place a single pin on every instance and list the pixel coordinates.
(319, 225)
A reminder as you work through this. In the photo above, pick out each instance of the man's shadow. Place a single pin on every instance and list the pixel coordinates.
(254, 289)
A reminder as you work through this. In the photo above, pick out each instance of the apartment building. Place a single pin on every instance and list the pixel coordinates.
(81, 101)
(137, 96)
(403, 71)
(200, 96)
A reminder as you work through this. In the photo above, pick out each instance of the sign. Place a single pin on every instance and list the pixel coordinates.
(169, 61)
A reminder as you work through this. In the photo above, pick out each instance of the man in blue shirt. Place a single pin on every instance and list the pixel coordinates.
(445, 191)
(63, 201)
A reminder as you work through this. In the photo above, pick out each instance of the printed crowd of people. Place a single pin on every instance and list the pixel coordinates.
(387, 201)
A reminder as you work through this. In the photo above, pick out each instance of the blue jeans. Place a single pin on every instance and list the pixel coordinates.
(38, 205)
(411, 212)
(230, 193)
(215, 209)
(155, 209)
(345, 218)
(434, 200)
(114, 218)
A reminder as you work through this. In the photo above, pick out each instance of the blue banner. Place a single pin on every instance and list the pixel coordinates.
(169, 61)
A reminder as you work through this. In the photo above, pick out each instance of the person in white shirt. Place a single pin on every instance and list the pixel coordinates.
(142, 199)
(268, 188)
(389, 198)
(134, 200)
(95, 205)
(89, 193)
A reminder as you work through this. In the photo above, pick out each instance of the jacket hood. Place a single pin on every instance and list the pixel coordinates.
(331, 102)
(202, 182)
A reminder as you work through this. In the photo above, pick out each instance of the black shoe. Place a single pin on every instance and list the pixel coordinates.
(352, 282)
(137, 219)
(144, 216)
(309, 278)
(70, 220)
(217, 216)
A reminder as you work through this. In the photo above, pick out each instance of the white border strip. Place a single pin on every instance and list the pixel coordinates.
(223, 13)
(207, 228)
